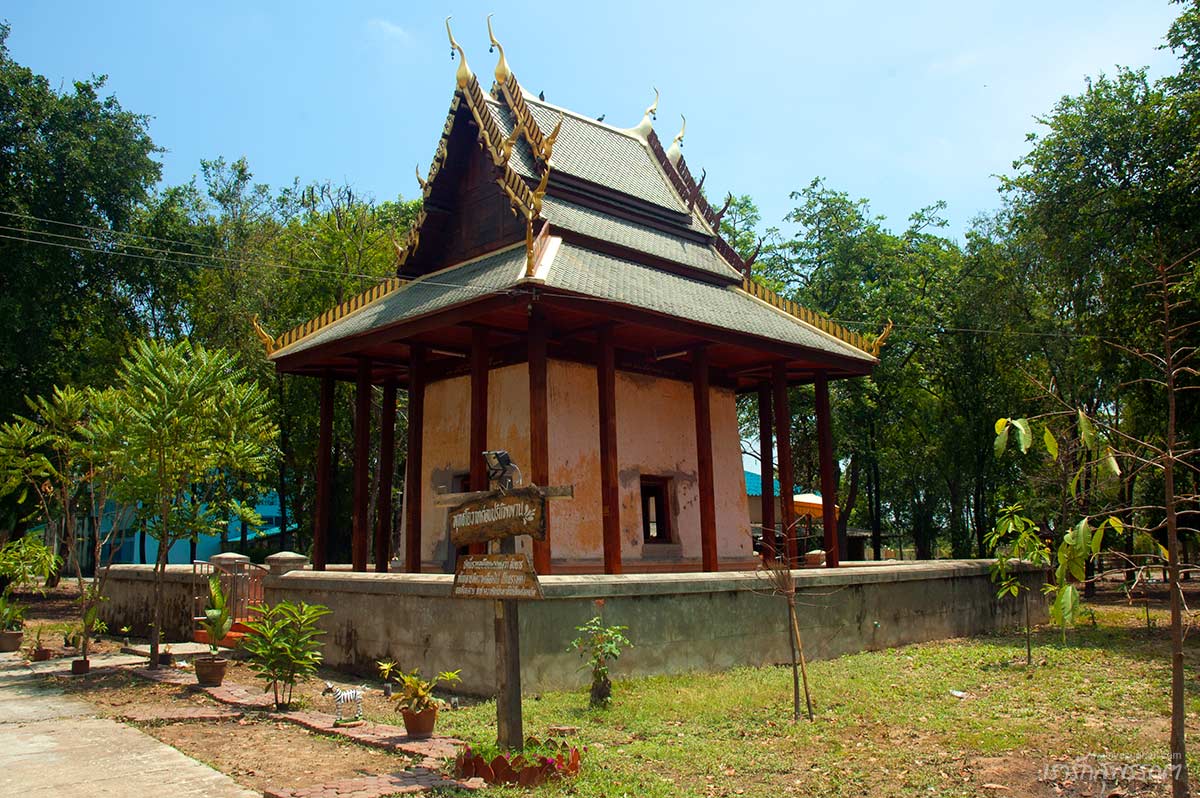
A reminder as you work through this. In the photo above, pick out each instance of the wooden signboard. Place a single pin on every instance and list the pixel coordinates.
(496, 576)
(516, 512)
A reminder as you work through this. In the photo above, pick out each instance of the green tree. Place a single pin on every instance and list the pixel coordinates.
(72, 158)
(192, 418)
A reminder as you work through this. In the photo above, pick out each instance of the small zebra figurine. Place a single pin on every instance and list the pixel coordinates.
(343, 697)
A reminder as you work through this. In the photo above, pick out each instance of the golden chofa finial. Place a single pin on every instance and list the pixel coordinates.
(267, 340)
(675, 151)
(502, 71)
(548, 143)
(464, 74)
(420, 180)
(643, 128)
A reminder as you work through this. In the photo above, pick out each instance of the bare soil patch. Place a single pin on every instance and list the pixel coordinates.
(256, 750)
(261, 753)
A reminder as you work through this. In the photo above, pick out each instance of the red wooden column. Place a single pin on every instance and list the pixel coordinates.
(828, 478)
(783, 441)
(412, 479)
(324, 475)
(479, 416)
(362, 461)
(610, 494)
(387, 465)
(539, 426)
(765, 445)
(704, 459)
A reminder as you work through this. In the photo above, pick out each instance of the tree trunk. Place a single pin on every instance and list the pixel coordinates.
(1179, 769)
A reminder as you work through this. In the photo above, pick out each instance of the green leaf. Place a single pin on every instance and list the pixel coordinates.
(1074, 486)
(1109, 463)
(1024, 434)
(1098, 539)
(1116, 524)
(1086, 431)
(1051, 443)
(1001, 423)
(1001, 442)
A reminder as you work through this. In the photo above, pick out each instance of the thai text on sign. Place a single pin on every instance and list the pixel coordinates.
(496, 576)
(515, 512)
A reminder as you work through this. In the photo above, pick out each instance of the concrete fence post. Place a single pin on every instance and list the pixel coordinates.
(284, 561)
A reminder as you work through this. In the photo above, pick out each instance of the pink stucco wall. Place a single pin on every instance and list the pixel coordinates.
(655, 436)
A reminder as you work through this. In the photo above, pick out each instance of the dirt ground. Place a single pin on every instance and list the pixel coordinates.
(256, 750)
(55, 613)
(260, 753)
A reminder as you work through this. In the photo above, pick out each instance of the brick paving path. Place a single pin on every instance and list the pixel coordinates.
(431, 752)
(172, 714)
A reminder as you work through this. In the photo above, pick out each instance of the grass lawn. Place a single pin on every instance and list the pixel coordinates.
(886, 721)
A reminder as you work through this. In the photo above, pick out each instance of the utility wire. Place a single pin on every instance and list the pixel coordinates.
(88, 246)
(83, 248)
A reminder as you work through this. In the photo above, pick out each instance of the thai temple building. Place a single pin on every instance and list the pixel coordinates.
(566, 295)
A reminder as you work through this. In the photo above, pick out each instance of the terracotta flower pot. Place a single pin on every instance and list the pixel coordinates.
(210, 671)
(80, 667)
(419, 725)
(10, 639)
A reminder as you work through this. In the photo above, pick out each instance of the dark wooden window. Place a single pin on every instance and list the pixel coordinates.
(657, 524)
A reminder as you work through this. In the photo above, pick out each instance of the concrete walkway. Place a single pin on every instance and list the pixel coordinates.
(52, 745)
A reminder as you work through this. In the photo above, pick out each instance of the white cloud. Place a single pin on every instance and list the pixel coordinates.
(389, 30)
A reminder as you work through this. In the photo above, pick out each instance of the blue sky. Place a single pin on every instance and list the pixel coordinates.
(901, 103)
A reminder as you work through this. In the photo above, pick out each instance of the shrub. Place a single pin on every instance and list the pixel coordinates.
(283, 646)
(601, 644)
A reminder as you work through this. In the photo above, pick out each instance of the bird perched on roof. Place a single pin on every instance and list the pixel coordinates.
(542, 96)
(601, 117)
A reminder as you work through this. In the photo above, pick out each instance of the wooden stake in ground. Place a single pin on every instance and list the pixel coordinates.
(782, 583)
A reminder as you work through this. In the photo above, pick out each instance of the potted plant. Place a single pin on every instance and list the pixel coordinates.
(90, 625)
(12, 621)
(218, 620)
(38, 652)
(22, 563)
(415, 699)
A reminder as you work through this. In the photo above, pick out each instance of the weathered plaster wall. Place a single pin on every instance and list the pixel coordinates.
(574, 437)
(130, 592)
(447, 440)
(729, 479)
(445, 443)
(655, 436)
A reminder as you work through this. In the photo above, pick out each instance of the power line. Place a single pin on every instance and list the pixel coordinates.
(84, 248)
(228, 262)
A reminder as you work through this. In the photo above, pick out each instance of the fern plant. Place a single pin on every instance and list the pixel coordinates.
(283, 646)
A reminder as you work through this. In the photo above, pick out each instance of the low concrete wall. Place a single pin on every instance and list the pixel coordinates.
(130, 593)
(677, 622)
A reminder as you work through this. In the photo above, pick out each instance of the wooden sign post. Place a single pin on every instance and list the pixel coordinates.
(502, 575)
